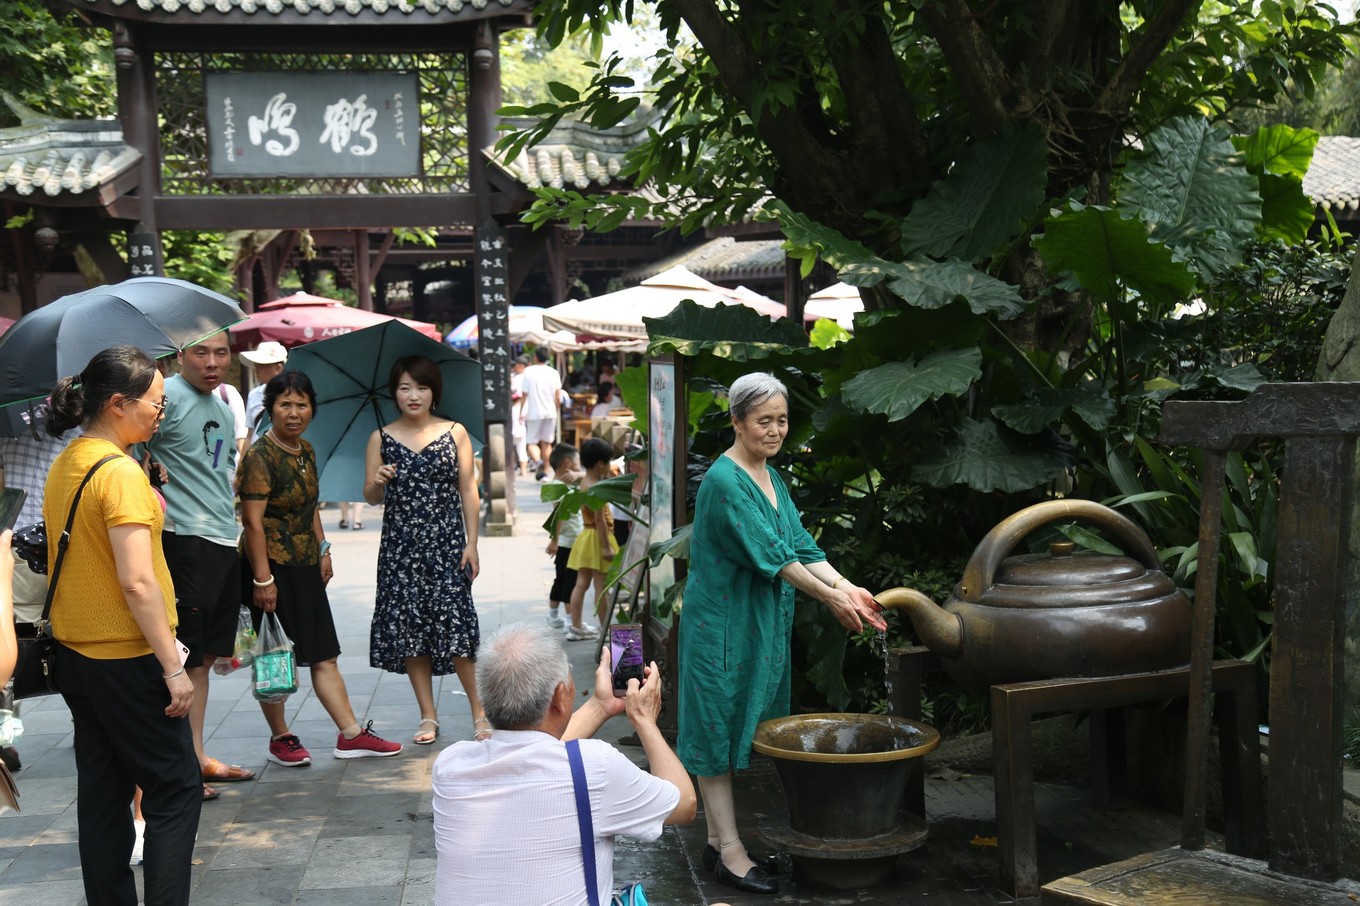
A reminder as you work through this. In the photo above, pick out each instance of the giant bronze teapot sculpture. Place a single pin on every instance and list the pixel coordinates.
(1039, 616)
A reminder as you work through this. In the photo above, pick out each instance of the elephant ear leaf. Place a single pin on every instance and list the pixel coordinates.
(993, 189)
(1103, 251)
(986, 458)
(898, 388)
(1046, 406)
(1192, 187)
(732, 332)
(929, 284)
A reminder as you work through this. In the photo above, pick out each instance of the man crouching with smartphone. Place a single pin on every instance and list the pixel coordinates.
(505, 819)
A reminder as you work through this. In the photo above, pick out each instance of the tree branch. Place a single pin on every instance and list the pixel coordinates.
(1050, 20)
(811, 175)
(881, 111)
(1148, 41)
(980, 73)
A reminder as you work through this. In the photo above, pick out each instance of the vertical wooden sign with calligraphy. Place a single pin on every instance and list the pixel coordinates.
(492, 275)
(144, 253)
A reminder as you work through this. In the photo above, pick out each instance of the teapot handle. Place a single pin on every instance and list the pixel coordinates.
(980, 572)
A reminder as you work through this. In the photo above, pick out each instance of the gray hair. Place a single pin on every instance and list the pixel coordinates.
(518, 669)
(750, 390)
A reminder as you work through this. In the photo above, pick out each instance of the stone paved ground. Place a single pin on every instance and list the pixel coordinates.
(342, 832)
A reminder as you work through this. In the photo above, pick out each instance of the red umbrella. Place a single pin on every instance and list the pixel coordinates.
(302, 318)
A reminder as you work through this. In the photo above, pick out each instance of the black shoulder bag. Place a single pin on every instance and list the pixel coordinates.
(35, 673)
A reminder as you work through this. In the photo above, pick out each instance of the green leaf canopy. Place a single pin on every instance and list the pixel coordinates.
(898, 388)
(986, 460)
(1279, 157)
(934, 284)
(730, 331)
(1190, 184)
(996, 186)
(1103, 250)
(1091, 404)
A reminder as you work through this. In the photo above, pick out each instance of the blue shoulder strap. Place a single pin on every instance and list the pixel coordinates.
(587, 827)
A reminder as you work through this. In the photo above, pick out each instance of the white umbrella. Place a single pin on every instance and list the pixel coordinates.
(619, 314)
(838, 302)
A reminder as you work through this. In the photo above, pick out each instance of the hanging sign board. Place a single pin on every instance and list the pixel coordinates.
(313, 124)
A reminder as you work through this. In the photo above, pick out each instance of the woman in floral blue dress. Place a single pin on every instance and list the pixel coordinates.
(424, 623)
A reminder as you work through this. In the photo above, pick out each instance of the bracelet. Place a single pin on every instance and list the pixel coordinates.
(172, 675)
(839, 580)
(265, 584)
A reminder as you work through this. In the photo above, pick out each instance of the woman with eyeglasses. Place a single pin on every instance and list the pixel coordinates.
(118, 664)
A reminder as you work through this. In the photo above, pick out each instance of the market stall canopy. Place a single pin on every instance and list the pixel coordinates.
(839, 302)
(303, 318)
(619, 314)
(525, 326)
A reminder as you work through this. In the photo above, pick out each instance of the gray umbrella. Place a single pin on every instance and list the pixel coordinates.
(158, 315)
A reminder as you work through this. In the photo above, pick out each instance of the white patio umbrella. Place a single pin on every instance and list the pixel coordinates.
(838, 302)
(620, 314)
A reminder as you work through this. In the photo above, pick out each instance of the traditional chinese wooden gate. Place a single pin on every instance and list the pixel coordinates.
(354, 115)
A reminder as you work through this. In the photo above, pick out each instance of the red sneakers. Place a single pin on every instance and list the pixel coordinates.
(288, 751)
(366, 745)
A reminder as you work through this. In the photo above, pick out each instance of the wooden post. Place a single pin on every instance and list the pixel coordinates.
(484, 97)
(1307, 680)
(362, 279)
(1320, 422)
(137, 112)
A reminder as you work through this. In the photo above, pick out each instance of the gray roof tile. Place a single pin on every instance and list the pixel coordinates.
(305, 7)
(1333, 180)
(51, 157)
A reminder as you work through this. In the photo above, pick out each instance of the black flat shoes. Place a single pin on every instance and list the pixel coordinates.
(757, 880)
(709, 860)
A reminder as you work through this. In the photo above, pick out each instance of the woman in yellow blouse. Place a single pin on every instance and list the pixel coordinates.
(113, 614)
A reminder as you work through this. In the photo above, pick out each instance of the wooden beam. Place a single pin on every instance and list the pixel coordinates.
(104, 255)
(362, 283)
(285, 212)
(381, 258)
(290, 238)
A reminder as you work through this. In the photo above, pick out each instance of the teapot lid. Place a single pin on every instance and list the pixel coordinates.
(1061, 567)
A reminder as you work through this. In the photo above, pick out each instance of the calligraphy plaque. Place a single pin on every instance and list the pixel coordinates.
(493, 318)
(313, 124)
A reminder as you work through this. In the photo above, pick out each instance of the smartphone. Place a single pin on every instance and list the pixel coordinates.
(625, 649)
(11, 502)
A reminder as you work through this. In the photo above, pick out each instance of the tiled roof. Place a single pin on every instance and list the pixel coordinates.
(304, 7)
(47, 156)
(1333, 180)
(573, 155)
(722, 260)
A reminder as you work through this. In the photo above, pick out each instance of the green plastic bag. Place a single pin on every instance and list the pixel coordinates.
(274, 668)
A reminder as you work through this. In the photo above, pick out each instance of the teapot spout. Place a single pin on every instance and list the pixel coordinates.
(941, 630)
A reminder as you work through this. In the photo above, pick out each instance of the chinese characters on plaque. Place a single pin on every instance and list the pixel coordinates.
(141, 253)
(312, 124)
(493, 319)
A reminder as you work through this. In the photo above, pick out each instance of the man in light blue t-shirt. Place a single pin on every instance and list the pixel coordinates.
(197, 445)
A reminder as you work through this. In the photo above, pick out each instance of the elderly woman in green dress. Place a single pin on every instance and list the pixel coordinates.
(748, 553)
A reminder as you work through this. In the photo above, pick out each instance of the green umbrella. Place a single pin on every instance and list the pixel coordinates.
(350, 375)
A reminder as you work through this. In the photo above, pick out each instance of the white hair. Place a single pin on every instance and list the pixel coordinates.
(518, 669)
(750, 390)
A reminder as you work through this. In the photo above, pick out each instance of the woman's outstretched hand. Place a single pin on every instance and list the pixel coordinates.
(853, 607)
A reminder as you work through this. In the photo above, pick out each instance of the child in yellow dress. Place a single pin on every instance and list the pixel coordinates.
(595, 547)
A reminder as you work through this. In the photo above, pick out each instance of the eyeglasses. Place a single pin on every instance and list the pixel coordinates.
(160, 407)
